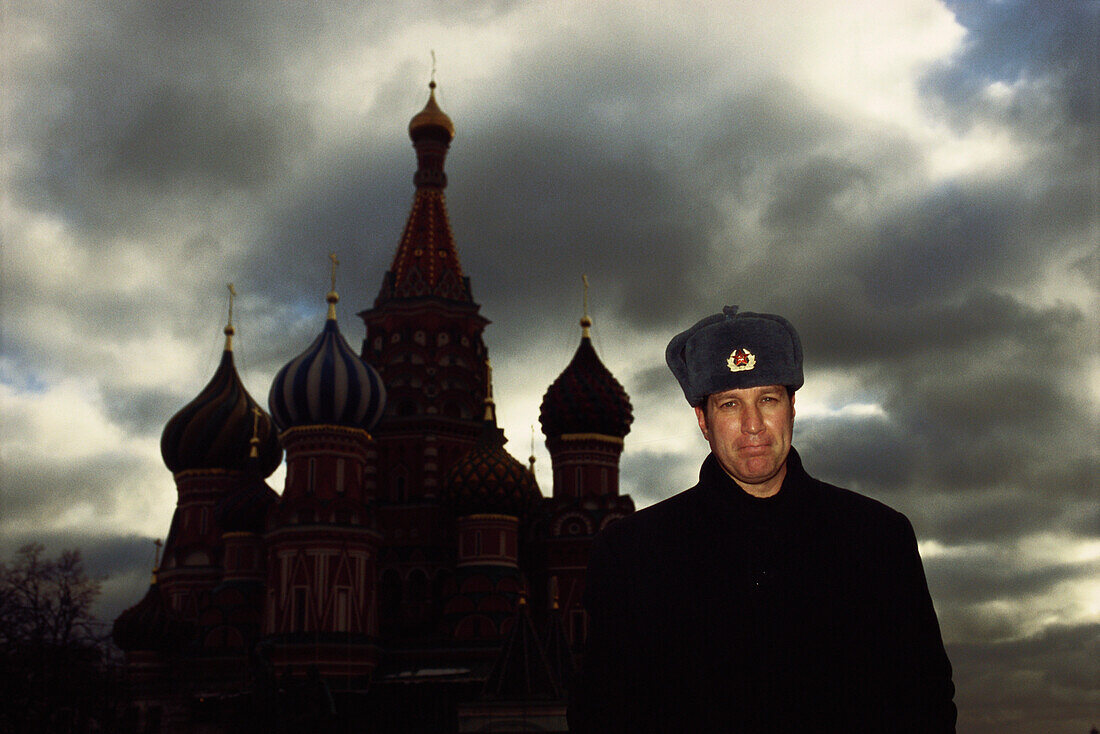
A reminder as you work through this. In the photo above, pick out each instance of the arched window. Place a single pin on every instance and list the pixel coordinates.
(399, 491)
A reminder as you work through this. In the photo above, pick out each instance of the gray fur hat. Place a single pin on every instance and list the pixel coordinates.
(731, 350)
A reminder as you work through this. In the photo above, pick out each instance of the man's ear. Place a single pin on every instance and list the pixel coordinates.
(792, 406)
(701, 416)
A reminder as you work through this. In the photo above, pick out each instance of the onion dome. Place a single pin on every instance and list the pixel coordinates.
(431, 121)
(149, 625)
(586, 397)
(488, 479)
(328, 384)
(215, 430)
(245, 510)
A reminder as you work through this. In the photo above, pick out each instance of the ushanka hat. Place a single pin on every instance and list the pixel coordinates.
(732, 350)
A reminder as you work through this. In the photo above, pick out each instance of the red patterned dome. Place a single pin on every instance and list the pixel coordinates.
(586, 398)
(489, 480)
(214, 431)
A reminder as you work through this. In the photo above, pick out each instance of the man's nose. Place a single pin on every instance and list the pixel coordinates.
(751, 420)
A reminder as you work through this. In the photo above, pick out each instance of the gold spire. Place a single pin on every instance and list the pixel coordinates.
(254, 442)
(156, 559)
(229, 331)
(333, 297)
(586, 322)
(490, 406)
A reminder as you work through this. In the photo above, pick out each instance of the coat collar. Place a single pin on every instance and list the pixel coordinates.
(719, 488)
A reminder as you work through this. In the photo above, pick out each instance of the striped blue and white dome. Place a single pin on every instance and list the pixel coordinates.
(328, 384)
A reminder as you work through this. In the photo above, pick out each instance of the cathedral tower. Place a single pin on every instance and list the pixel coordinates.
(585, 415)
(322, 543)
(207, 445)
(490, 493)
(424, 336)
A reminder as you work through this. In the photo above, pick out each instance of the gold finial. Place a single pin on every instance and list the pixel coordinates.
(333, 297)
(585, 321)
(229, 331)
(156, 559)
(254, 452)
(490, 406)
(431, 84)
(531, 458)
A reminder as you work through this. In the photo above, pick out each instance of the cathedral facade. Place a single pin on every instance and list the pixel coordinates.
(411, 575)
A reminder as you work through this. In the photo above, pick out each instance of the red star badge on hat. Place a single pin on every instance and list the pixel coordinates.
(741, 359)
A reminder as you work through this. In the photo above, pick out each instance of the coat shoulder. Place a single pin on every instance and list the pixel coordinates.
(856, 509)
(668, 518)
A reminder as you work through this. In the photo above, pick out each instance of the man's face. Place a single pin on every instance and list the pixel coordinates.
(749, 432)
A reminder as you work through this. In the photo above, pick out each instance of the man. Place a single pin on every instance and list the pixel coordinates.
(760, 600)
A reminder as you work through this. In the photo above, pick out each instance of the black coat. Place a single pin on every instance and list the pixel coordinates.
(716, 611)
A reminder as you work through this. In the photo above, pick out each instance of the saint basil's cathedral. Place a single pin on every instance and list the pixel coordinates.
(411, 576)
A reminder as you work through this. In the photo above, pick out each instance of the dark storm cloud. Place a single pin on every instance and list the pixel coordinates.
(548, 206)
(1000, 515)
(810, 189)
(1042, 683)
(1010, 41)
(354, 206)
(652, 476)
(857, 452)
(955, 484)
(656, 379)
(948, 241)
(155, 103)
(104, 555)
(121, 563)
(38, 491)
(140, 412)
(839, 329)
(992, 572)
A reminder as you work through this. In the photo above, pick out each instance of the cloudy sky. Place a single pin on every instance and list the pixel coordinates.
(913, 183)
